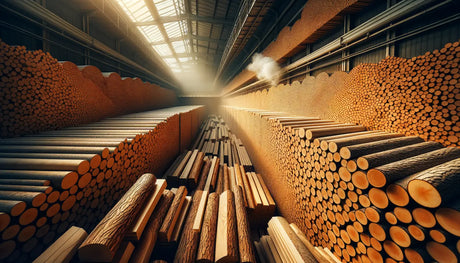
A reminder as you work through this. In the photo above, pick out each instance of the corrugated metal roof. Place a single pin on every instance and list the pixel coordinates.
(185, 31)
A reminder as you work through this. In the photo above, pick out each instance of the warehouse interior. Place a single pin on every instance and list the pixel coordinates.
(229, 131)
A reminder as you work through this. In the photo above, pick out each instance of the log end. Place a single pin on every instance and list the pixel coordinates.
(39, 199)
(83, 167)
(416, 232)
(397, 195)
(424, 193)
(70, 179)
(393, 250)
(17, 209)
(400, 236)
(378, 198)
(359, 180)
(5, 220)
(440, 252)
(412, 255)
(345, 153)
(362, 163)
(449, 219)
(332, 147)
(376, 178)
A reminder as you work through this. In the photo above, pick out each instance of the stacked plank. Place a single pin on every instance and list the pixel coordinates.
(413, 96)
(53, 180)
(286, 243)
(218, 159)
(216, 229)
(370, 196)
(65, 247)
(37, 93)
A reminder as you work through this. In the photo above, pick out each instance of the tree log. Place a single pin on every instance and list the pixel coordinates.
(135, 231)
(227, 247)
(380, 158)
(103, 242)
(12, 207)
(355, 151)
(196, 169)
(246, 249)
(335, 144)
(206, 249)
(388, 173)
(436, 185)
(170, 220)
(186, 251)
(59, 179)
(148, 240)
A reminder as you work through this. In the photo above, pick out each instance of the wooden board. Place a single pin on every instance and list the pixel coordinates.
(170, 220)
(65, 247)
(227, 245)
(135, 232)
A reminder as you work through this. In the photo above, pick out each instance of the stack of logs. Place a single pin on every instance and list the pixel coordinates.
(369, 196)
(153, 223)
(413, 96)
(56, 179)
(220, 157)
(38, 93)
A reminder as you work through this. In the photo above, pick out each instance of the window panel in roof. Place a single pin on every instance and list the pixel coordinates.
(165, 7)
(173, 29)
(136, 10)
(185, 59)
(152, 33)
(179, 46)
(170, 61)
(163, 50)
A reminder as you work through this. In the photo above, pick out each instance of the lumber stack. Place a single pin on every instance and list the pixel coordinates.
(412, 96)
(219, 160)
(287, 243)
(216, 227)
(368, 196)
(53, 180)
(38, 93)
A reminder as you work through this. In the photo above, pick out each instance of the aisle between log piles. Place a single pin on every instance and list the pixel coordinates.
(223, 162)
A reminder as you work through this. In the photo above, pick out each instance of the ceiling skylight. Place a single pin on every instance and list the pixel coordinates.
(163, 26)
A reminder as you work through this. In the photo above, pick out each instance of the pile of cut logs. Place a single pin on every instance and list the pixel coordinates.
(53, 180)
(413, 96)
(216, 161)
(38, 93)
(151, 222)
(369, 196)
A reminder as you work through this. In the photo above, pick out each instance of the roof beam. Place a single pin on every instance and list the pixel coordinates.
(192, 36)
(192, 17)
(187, 55)
(188, 13)
(154, 12)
